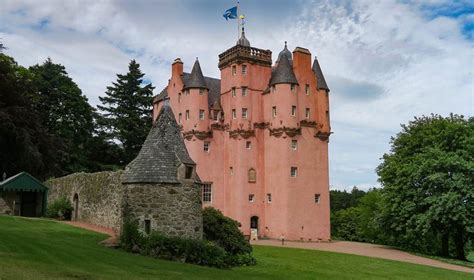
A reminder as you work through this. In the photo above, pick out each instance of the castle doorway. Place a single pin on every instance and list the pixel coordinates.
(76, 207)
(254, 228)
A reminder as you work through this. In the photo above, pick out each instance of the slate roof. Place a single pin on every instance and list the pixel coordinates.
(196, 78)
(283, 73)
(214, 86)
(161, 154)
(243, 41)
(283, 52)
(162, 95)
(319, 75)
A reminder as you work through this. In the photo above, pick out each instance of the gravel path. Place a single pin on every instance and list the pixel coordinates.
(365, 249)
(112, 241)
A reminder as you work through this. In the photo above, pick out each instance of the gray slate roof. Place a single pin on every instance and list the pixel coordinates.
(196, 78)
(283, 52)
(283, 73)
(162, 95)
(243, 41)
(319, 75)
(161, 154)
(214, 86)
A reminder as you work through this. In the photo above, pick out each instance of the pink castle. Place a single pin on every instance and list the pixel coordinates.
(259, 136)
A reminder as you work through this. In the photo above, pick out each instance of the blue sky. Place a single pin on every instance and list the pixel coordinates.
(385, 61)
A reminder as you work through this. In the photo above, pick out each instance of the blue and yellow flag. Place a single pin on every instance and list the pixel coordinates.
(230, 13)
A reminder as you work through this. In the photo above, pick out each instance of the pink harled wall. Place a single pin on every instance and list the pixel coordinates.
(293, 212)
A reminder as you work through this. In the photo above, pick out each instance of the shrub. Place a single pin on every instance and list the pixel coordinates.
(130, 236)
(60, 209)
(224, 231)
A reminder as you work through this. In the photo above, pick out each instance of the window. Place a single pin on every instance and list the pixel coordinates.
(269, 198)
(179, 97)
(292, 87)
(231, 170)
(179, 117)
(248, 145)
(327, 116)
(317, 198)
(306, 89)
(186, 92)
(206, 146)
(188, 172)
(244, 69)
(187, 114)
(294, 171)
(244, 91)
(274, 111)
(147, 226)
(201, 91)
(207, 192)
(307, 113)
(293, 111)
(234, 70)
(273, 89)
(215, 115)
(234, 114)
(252, 175)
(233, 92)
(201, 114)
(244, 113)
(251, 197)
(294, 144)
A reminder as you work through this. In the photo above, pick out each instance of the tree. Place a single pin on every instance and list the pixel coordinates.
(127, 110)
(25, 144)
(65, 111)
(343, 200)
(428, 180)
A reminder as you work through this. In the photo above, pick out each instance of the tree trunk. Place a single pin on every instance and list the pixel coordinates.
(459, 241)
(445, 245)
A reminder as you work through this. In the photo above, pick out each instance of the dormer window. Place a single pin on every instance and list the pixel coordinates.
(188, 174)
(234, 70)
(244, 69)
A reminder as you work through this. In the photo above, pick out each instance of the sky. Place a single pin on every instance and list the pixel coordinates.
(384, 61)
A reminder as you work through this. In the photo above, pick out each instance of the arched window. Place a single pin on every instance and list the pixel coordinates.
(252, 175)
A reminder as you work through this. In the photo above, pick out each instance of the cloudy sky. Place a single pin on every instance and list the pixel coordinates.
(385, 61)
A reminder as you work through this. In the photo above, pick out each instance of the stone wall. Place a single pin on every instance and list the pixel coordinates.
(6, 203)
(99, 196)
(173, 210)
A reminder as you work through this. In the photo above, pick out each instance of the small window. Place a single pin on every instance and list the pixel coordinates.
(234, 70)
(234, 114)
(231, 170)
(187, 114)
(317, 198)
(179, 97)
(189, 172)
(306, 89)
(201, 91)
(206, 146)
(201, 114)
(147, 226)
(251, 197)
(215, 115)
(207, 192)
(269, 198)
(233, 92)
(294, 172)
(292, 87)
(273, 89)
(180, 115)
(294, 144)
(244, 91)
(248, 145)
(244, 113)
(252, 175)
(293, 111)
(186, 92)
(307, 113)
(244, 69)
(327, 116)
(274, 111)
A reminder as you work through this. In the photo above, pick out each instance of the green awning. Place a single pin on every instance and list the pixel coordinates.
(22, 182)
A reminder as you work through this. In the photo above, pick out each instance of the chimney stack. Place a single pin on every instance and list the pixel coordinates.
(177, 68)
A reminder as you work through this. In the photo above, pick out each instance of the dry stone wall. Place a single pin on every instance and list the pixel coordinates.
(100, 196)
(171, 209)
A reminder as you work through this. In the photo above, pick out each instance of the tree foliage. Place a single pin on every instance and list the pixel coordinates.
(127, 111)
(428, 180)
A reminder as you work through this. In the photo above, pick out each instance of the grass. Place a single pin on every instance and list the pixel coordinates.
(42, 249)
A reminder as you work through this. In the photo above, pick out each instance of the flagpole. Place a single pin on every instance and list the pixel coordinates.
(238, 21)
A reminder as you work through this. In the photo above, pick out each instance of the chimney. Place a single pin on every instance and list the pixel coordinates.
(302, 59)
(177, 68)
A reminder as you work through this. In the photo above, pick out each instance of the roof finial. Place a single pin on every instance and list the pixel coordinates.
(197, 59)
(285, 44)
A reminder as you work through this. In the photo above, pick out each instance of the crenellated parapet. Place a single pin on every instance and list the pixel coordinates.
(239, 54)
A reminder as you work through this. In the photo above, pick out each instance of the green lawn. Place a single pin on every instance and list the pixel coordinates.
(42, 249)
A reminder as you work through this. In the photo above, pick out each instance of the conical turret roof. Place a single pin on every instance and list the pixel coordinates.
(161, 154)
(286, 52)
(319, 75)
(283, 73)
(196, 78)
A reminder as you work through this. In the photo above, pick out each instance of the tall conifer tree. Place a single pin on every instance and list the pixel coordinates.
(127, 110)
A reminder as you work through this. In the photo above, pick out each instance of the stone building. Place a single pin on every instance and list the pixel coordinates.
(259, 136)
(160, 187)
